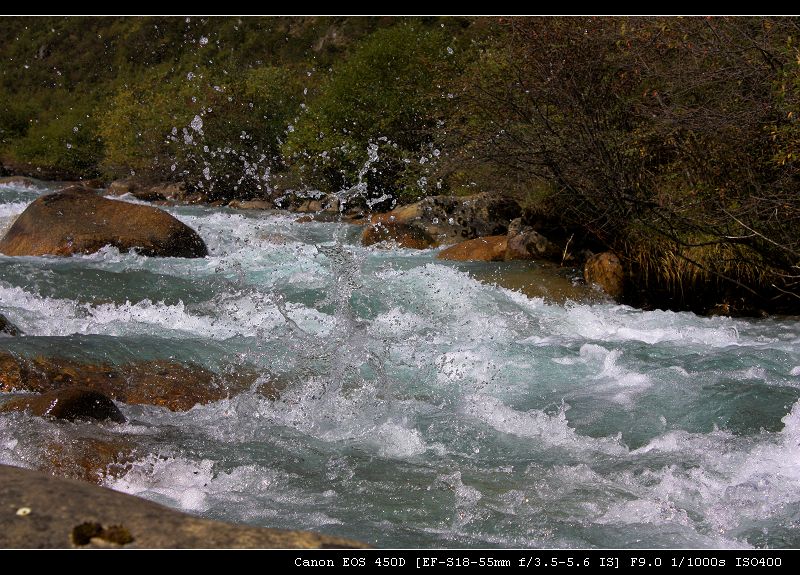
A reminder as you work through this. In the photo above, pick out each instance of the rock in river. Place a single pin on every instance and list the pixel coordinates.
(605, 270)
(39, 511)
(443, 220)
(78, 221)
(487, 249)
(175, 386)
(7, 328)
(70, 403)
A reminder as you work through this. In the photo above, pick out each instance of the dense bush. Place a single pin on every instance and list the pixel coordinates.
(671, 140)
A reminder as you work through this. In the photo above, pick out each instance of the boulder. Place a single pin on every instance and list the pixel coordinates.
(20, 181)
(397, 233)
(487, 249)
(525, 243)
(605, 270)
(8, 328)
(122, 187)
(40, 511)
(173, 385)
(251, 204)
(443, 220)
(78, 221)
(69, 403)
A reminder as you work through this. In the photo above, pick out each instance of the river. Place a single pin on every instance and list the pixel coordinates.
(424, 407)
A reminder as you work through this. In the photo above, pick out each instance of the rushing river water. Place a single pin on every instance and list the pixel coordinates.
(423, 407)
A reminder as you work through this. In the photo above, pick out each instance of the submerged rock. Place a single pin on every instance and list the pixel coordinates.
(487, 249)
(78, 221)
(91, 459)
(176, 386)
(40, 511)
(442, 220)
(605, 270)
(70, 403)
(8, 328)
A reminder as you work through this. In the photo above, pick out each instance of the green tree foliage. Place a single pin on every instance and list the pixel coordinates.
(218, 134)
(374, 123)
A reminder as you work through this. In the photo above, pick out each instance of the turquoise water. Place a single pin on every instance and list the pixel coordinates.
(424, 408)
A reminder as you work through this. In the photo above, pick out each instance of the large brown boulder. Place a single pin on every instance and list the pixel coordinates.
(443, 220)
(70, 403)
(487, 249)
(40, 511)
(78, 221)
(173, 385)
(605, 270)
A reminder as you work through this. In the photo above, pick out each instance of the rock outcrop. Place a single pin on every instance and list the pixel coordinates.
(441, 220)
(40, 511)
(78, 221)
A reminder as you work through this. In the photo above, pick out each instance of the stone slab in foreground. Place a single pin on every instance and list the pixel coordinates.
(40, 511)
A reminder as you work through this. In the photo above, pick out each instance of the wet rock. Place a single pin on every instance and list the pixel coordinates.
(77, 220)
(251, 204)
(486, 249)
(398, 233)
(7, 328)
(306, 219)
(40, 511)
(443, 220)
(20, 181)
(122, 187)
(70, 403)
(176, 386)
(605, 270)
(91, 459)
(308, 202)
(146, 192)
(525, 243)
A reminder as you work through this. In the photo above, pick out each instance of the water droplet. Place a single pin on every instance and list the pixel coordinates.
(203, 40)
(197, 124)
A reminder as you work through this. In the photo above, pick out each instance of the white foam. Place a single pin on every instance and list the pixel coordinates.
(550, 430)
(397, 441)
(238, 314)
